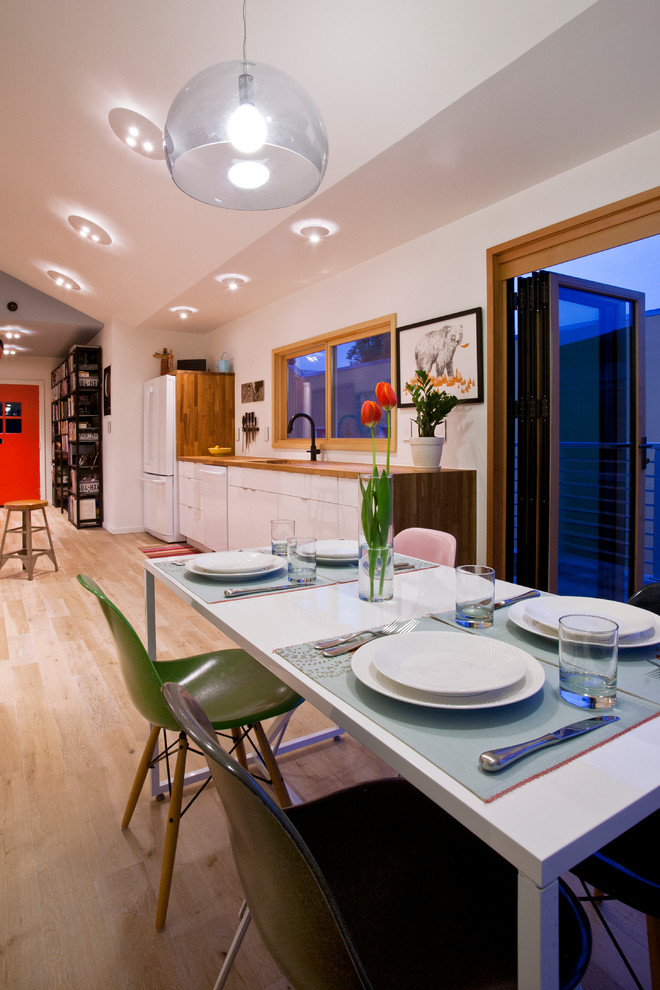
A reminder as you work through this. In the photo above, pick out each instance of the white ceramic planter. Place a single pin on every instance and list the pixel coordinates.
(427, 452)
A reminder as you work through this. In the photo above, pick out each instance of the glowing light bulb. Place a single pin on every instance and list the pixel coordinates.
(246, 128)
(248, 175)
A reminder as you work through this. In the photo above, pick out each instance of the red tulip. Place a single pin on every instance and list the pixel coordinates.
(371, 413)
(385, 395)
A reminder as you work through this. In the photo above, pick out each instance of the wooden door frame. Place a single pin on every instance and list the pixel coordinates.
(609, 226)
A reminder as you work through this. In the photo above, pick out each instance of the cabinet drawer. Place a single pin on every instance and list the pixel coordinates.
(260, 481)
(312, 518)
(321, 488)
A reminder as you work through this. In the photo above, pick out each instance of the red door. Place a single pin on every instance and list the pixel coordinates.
(19, 442)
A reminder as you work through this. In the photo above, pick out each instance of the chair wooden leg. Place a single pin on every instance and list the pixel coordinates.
(276, 777)
(653, 932)
(172, 833)
(141, 775)
(239, 748)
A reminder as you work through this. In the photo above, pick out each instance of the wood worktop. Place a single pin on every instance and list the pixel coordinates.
(339, 469)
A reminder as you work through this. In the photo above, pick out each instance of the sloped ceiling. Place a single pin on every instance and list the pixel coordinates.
(433, 111)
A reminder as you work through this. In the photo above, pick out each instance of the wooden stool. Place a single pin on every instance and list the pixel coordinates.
(27, 554)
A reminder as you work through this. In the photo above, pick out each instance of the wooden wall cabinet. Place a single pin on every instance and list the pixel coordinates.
(205, 412)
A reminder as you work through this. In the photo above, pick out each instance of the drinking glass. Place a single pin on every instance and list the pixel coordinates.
(475, 595)
(588, 659)
(301, 553)
(280, 531)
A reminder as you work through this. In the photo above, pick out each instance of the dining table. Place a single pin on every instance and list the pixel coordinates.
(545, 813)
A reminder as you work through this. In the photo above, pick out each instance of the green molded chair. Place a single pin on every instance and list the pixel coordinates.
(372, 887)
(236, 691)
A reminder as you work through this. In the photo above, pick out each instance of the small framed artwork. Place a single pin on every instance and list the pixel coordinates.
(106, 391)
(449, 349)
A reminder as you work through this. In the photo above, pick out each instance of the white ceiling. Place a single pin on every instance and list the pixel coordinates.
(434, 109)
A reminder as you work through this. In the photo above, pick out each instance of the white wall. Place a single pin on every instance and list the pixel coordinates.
(442, 272)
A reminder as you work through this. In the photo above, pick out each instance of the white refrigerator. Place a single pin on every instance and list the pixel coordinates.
(160, 481)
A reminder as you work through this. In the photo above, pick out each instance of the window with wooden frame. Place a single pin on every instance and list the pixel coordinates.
(329, 377)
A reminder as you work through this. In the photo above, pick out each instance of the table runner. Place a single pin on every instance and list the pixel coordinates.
(212, 590)
(453, 740)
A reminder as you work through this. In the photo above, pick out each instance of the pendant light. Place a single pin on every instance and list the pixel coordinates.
(245, 136)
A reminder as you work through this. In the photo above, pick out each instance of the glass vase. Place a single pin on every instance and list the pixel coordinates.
(375, 538)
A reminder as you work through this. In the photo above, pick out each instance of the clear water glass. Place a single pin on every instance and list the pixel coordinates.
(475, 596)
(280, 531)
(301, 554)
(588, 660)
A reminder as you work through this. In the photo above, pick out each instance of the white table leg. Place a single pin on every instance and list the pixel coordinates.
(150, 613)
(538, 935)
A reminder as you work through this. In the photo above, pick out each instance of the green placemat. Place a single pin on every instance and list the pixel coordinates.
(453, 739)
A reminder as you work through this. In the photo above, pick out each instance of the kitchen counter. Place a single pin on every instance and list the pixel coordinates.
(444, 499)
(337, 469)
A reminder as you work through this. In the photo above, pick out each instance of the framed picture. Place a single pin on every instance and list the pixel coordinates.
(449, 348)
(106, 391)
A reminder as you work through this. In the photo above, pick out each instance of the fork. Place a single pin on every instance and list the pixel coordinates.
(325, 644)
(399, 628)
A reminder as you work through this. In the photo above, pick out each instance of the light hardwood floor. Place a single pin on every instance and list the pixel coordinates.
(79, 894)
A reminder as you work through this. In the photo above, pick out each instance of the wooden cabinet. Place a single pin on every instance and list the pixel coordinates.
(77, 436)
(205, 412)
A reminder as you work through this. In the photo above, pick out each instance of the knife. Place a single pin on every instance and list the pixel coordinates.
(239, 592)
(516, 598)
(498, 759)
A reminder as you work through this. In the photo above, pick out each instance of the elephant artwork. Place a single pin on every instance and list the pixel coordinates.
(436, 350)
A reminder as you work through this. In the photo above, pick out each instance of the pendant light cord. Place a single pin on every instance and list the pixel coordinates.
(244, 30)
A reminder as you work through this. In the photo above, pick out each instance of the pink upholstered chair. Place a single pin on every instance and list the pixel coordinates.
(428, 544)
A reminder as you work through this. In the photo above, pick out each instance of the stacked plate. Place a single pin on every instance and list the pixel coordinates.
(637, 626)
(448, 670)
(235, 565)
(336, 551)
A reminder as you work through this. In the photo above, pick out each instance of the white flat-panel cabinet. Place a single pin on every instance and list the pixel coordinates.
(252, 503)
(203, 504)
(213, 504)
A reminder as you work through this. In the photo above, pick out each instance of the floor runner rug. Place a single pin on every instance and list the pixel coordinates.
(168, 550)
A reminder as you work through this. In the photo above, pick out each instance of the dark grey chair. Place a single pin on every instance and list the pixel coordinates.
(628, 869)
(372, 887)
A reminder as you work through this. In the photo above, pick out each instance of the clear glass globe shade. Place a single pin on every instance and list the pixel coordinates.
(198, 144)
(246, 128)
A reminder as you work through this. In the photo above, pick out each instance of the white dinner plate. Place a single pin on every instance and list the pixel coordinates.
(520, 616)
(450, 664)
(336, 551)
(234, 564)
(366, 672)
(548, 611)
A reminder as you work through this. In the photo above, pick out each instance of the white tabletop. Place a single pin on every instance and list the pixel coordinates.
(543, 827)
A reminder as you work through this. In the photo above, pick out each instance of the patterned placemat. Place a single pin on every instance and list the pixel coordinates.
(453, 739)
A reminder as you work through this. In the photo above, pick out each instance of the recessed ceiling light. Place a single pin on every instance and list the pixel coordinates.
(138, 132)
(183, 312)
(314, 233)
(232, 282)
(314, 229)
(89, 230)
(64, 281)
